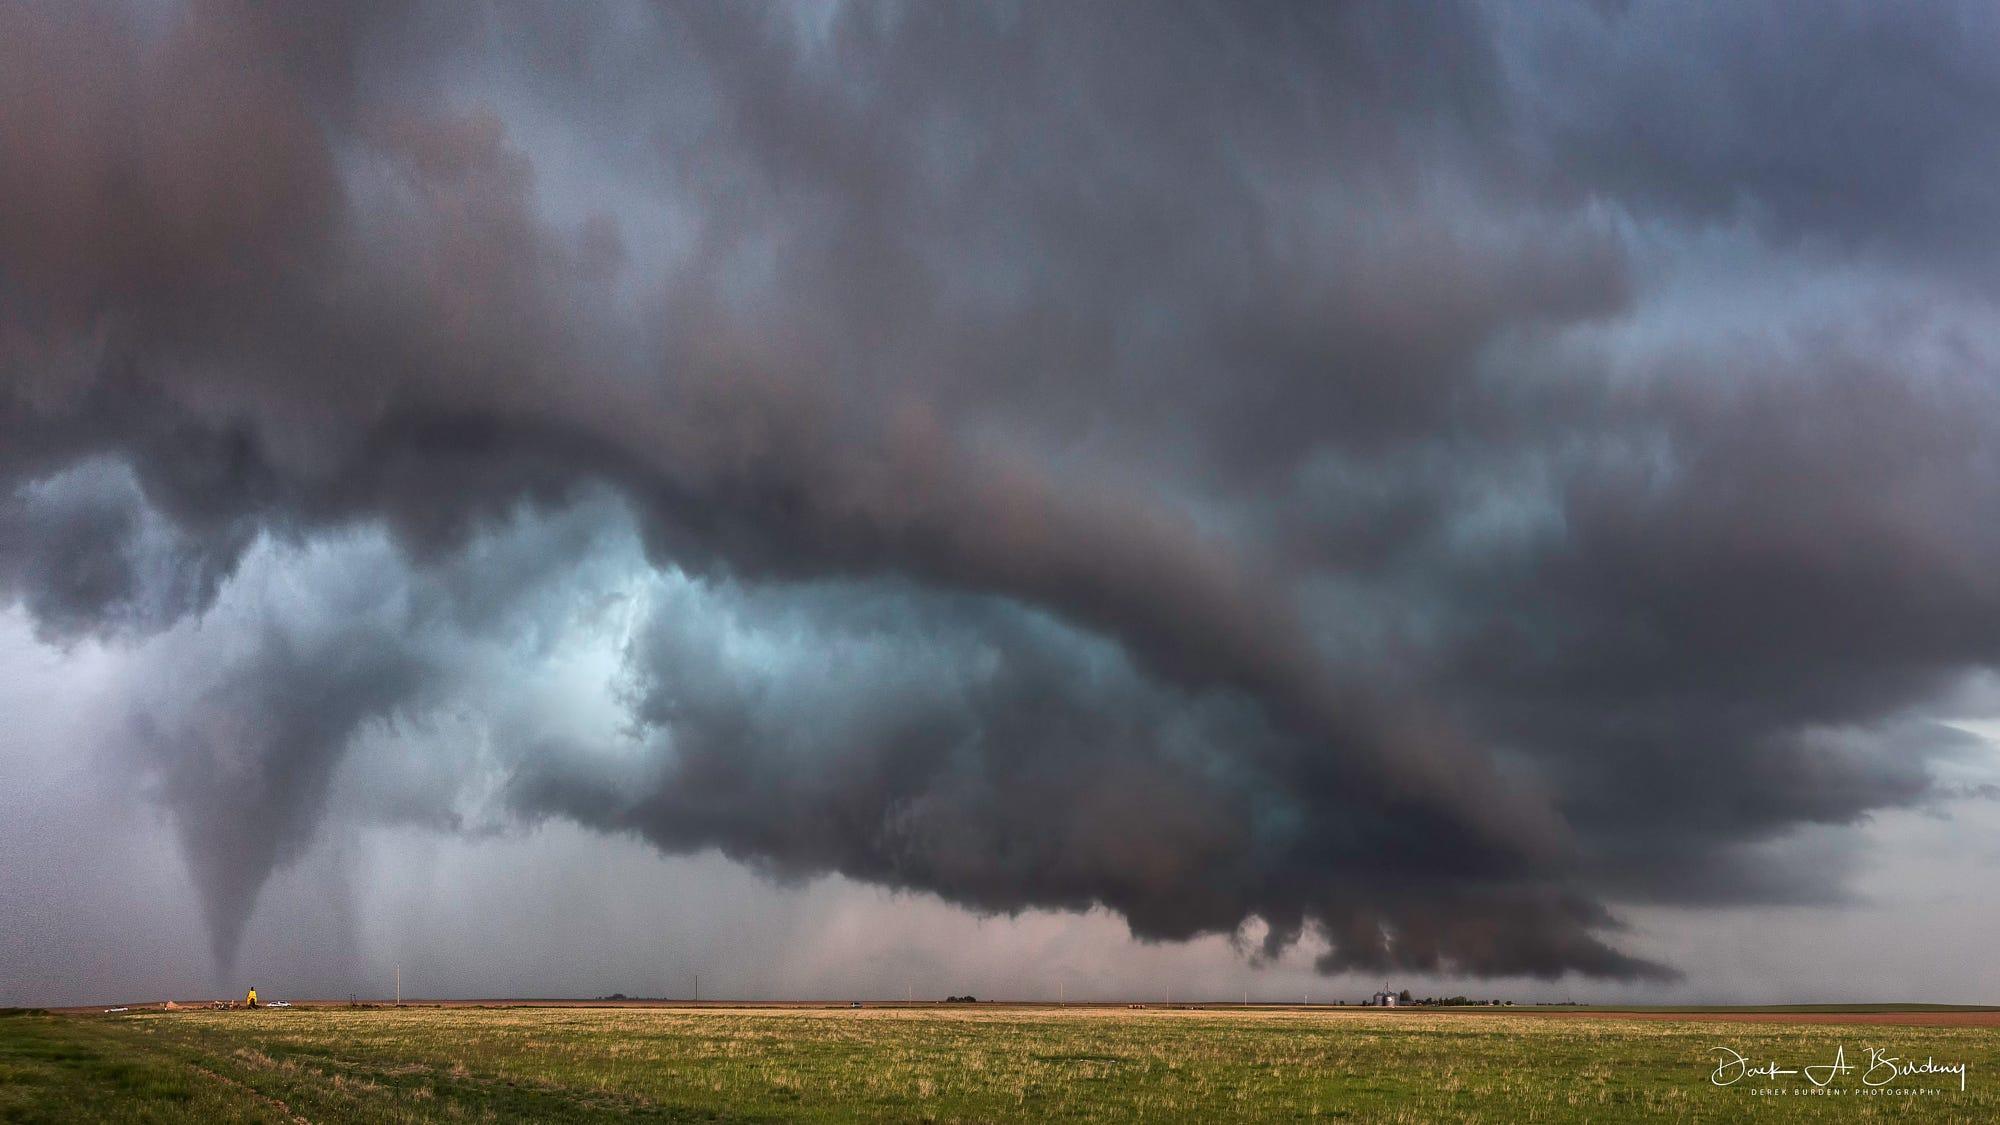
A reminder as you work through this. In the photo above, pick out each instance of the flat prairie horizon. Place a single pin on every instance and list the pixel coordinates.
(1912, 1013)
(807, 1061)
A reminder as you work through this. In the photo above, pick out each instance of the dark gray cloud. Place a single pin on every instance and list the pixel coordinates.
(1325, 465)
(92, 557)
(1845, 123)
(992, 756)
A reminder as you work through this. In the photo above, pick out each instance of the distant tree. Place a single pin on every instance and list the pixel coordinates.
(1404, 998)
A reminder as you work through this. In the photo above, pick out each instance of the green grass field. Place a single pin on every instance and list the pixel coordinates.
(946, 1064)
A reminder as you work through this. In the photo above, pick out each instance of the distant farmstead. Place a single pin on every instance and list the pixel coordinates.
(1384, 999)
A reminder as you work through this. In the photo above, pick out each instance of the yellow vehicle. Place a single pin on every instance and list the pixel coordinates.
(251, 1000)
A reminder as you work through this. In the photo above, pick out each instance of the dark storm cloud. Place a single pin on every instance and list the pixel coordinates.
(1850, 123)
(1233, 457)
(992, 756)
(1719, 641)
(92, 557)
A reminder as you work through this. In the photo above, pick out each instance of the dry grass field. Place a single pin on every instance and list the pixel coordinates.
(966, 1063)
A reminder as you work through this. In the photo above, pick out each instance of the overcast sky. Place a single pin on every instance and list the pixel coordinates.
(1038, 500)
